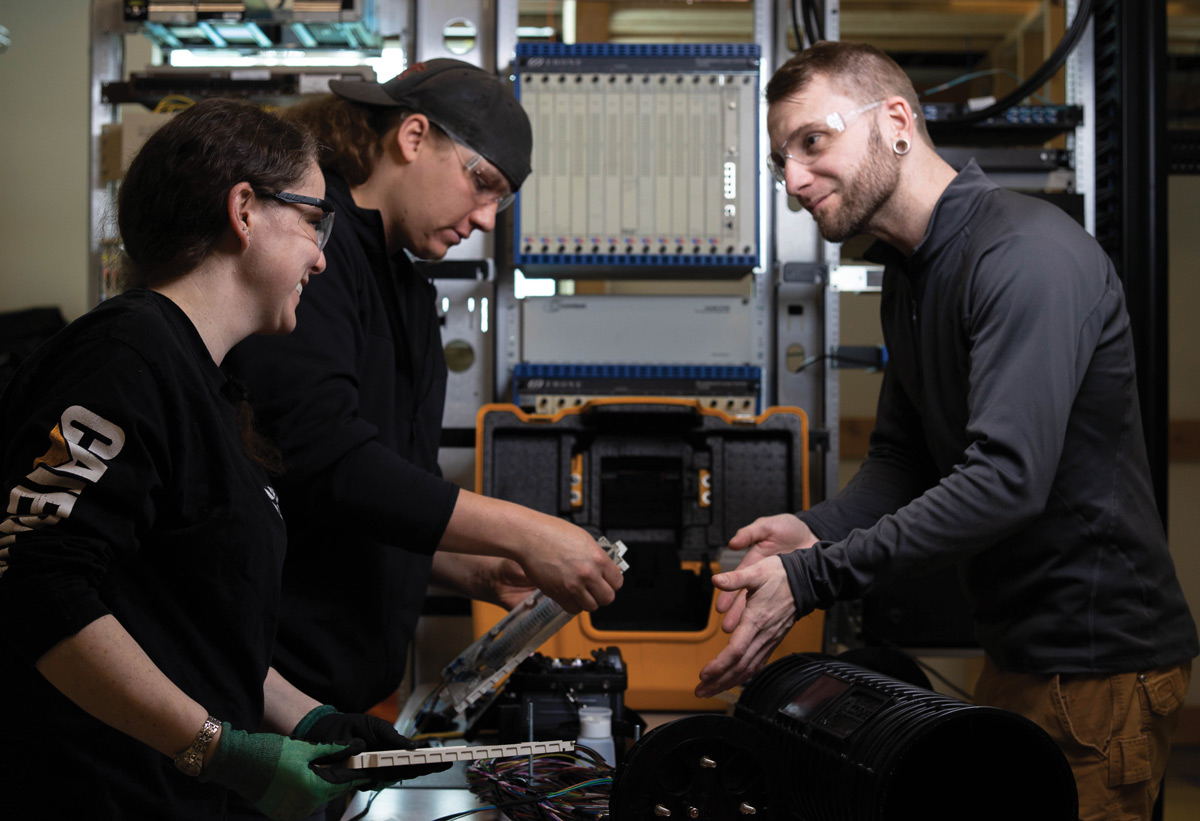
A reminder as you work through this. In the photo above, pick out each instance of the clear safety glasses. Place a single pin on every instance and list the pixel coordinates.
(806, 144)
(489, 185)
(487, 188)
(323, 225)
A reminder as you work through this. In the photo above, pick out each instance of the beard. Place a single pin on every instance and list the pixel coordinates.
(862, 194)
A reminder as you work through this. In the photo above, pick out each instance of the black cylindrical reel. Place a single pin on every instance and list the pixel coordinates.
(701, 767)
(860, 746)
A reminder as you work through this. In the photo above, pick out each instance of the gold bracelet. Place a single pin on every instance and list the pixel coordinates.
(191, 760)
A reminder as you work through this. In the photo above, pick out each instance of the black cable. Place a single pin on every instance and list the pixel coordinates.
(853, 361)
(455, 815)
(367, 808)
(1039, 77)
(928, 668)
(536, 797)
(813, 20)
(796, 27)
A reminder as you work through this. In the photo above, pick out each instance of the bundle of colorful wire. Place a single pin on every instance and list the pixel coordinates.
(551, 787)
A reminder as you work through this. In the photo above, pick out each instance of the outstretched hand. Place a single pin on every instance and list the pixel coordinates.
(764, 537)
(769, 612)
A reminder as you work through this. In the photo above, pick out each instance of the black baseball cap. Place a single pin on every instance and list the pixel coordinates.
(473, 105)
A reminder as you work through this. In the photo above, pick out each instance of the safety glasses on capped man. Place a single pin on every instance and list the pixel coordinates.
(490, 187)
(806, 144)
(324, 226)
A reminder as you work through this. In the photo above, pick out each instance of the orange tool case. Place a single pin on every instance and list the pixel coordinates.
(673, 481)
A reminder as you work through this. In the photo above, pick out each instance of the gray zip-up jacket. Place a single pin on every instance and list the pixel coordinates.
(1009, 442)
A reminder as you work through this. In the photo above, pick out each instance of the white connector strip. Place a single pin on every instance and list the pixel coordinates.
(440, 755)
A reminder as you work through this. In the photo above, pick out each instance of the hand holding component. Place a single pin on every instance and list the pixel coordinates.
(326, 724)
(769, 613)
(766, 536)
(280, 776)
(567, 564)
(560, 559)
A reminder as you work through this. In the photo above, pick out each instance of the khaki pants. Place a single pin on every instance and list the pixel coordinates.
(1115, 730)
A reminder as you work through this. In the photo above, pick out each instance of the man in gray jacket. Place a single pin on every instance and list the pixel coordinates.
(1008, 439)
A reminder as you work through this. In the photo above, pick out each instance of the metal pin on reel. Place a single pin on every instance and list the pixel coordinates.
(699, 767)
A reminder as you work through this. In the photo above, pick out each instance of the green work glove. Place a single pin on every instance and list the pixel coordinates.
(326, 724)
(276, 774)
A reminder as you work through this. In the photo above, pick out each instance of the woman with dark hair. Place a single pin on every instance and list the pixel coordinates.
(355, 397)
(141, 551)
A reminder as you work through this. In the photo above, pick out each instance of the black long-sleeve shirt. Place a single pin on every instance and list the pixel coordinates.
(354, 398)
(128, 493)
(1008, 441)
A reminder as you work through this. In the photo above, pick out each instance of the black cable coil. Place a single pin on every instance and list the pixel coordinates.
(860, 746)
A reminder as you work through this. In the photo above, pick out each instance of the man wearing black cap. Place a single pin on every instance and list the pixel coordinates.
(354, 398)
